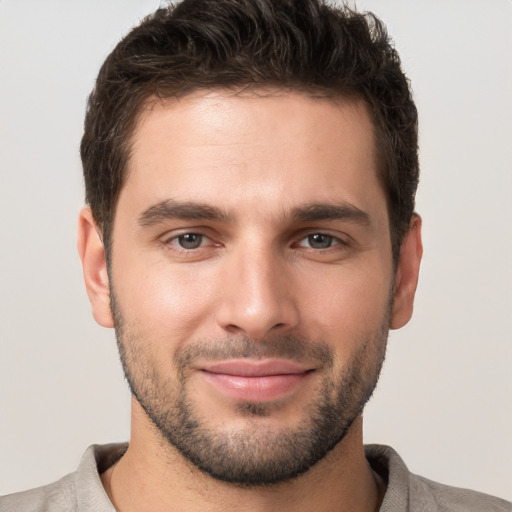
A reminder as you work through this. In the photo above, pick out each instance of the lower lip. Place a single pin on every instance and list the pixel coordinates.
(256, 389)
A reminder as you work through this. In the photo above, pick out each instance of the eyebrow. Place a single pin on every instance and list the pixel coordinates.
(327, 211)
(171, 209)
(190, 210)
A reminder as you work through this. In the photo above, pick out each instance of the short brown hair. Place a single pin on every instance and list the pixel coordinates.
(300, 45)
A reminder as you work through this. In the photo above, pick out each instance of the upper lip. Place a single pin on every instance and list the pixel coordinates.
(256, 367)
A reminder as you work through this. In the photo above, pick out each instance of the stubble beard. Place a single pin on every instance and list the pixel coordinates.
(256, 455)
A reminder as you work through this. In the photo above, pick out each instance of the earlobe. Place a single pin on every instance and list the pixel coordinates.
(406, 278)
(94, 265)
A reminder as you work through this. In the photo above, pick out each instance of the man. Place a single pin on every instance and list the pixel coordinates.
(250, 172)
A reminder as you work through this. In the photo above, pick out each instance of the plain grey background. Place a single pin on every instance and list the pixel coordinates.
(444, 397)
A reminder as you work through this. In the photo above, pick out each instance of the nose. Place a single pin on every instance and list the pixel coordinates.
(257, 297)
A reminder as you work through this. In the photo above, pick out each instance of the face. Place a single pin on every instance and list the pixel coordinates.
(251, 279)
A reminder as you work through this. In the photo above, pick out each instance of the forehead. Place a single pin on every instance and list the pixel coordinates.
(238, 116)
(273, 149)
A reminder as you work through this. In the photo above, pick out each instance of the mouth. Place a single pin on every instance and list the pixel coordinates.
(256, 380)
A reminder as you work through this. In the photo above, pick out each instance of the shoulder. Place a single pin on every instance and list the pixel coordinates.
(56, 497)
(78, 491)
(407, 492)
(428, 495)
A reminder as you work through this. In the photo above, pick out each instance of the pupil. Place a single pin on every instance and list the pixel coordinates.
(190, 241)
(319, 241)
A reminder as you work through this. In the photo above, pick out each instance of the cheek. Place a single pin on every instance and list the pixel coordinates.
(347, 303)
(170, 302)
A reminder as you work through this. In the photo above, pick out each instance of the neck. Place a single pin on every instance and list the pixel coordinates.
(154, 476)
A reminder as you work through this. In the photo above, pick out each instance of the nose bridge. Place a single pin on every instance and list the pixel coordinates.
(257, 296)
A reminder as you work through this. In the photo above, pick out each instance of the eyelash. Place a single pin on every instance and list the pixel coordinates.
(174, 242)
(332, 241)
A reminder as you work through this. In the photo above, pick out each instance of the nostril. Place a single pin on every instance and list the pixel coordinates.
(233, 329)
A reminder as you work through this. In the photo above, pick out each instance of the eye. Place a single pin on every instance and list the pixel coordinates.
(189, 241)
(189, 245)
(319, 241)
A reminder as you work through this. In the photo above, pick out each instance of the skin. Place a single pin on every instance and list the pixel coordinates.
(257, 158)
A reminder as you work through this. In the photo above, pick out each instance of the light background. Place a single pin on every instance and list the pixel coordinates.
(444, 400)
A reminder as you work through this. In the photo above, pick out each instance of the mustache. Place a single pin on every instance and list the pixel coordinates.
(281, 347)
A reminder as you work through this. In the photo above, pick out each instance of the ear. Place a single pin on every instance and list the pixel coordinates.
(406, 278)
(94, 264)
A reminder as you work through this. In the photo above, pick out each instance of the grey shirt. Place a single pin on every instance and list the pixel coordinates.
(82, 490)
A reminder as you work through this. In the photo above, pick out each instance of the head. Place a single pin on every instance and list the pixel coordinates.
(251, 168)
(296, 45)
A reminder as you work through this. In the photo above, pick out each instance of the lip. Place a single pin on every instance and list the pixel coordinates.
(256, 367)
(256, 380)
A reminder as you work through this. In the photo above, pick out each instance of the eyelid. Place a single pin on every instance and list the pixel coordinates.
(340, 238)
(184, 233)
(176, 233)
(203, 240)
(170, 242)
(336, 241)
